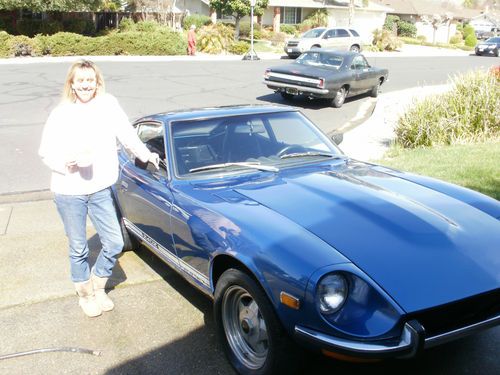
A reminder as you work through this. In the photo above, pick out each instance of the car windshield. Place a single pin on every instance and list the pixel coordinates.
(313, 33)
(262, 141)
(320, 59)
(493, 40)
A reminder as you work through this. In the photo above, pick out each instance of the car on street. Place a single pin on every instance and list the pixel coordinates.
(322, 37)
(295, 242)
(326, 74)
(490, 46)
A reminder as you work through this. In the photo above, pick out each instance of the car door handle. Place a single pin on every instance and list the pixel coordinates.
(123, 186)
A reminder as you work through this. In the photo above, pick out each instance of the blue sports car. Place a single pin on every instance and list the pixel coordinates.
(298, 243)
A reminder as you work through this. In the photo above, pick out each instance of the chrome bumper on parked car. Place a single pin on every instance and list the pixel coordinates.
(300, 89)
(412, 340)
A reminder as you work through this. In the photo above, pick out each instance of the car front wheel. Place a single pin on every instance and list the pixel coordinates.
(375, 90)
(251, 335)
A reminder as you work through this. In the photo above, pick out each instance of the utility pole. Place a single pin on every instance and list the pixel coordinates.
(351, 12)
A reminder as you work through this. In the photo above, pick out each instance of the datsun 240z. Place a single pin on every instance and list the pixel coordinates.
(298, 243)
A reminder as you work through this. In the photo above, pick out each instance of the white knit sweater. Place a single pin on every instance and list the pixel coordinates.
(91, 129)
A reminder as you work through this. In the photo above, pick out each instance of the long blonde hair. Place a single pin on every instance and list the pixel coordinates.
(68, 94)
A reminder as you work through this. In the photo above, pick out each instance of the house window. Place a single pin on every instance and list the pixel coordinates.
(290, 15)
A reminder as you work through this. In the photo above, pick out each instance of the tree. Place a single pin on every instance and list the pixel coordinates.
(51, 5)
(437, 20)
(238, 9)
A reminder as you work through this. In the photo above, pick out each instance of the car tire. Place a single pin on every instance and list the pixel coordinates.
(354, 48)
(339, 98)
(248, 329)
(286, 96)
(375, 90)
(495, 52)
(129, 241)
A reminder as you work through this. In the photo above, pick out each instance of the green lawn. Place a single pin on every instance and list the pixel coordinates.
(475, 166)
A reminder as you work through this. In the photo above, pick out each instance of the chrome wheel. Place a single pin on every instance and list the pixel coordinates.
(245, 327)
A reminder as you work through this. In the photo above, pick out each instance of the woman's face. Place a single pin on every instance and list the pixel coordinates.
(84, 84)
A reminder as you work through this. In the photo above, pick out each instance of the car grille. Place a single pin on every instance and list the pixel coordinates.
(292, 44)
(459, 314)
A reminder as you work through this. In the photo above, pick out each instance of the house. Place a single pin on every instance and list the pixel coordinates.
(422, 12)
(486, 21)
(367, 17)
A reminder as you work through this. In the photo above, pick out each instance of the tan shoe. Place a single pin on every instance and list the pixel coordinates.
(87, 299)
(100, 293)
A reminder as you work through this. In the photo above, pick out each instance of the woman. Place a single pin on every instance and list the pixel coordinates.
(79, 146)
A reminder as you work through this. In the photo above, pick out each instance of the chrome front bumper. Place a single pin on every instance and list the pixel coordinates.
(410, 342)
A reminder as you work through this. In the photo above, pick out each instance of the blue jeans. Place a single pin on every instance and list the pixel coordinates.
(73, 210)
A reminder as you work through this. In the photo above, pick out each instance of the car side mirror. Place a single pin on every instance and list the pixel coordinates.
(148, 166)
(337, 138)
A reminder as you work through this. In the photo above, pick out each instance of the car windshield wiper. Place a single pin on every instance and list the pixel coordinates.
(309, 153)
(254, 165)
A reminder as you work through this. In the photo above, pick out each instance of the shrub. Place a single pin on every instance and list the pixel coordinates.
(162, 42)
(470, 112)
(278, 38)
(215, 38)
(391, 23)
(470, 40)
(20, 45)
(316, 18)
(239, 48)
(407, 29)
(468, 30)
(258, 32)
(385, 40)
(147, 26)
(62, 44)
(4, 49)
(288, 29)
(199, 20)
(422, 38)
(457, 38)
(126, 24)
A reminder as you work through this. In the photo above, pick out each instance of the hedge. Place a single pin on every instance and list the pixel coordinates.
(161, 42)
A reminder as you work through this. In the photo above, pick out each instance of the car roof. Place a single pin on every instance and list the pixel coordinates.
(334, 52)
(218, 111)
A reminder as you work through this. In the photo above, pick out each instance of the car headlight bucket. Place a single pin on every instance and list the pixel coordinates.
(331, 293)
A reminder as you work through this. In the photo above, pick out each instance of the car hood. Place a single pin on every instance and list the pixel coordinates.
(425, 248)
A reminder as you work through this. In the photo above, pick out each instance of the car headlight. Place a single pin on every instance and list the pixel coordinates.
(491, 47)
(332, 293)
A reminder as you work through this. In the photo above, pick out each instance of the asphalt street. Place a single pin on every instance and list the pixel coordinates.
(31, 90)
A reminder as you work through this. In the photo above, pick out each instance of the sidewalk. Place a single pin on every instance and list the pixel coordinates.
(407, 50)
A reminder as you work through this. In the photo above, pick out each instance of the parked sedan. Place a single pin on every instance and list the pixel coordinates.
(298, 243)
(321, 37)
(490, 46)
(329, 74)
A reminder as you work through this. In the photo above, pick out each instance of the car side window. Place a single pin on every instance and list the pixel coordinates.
(342, 33)
(152, 135)
(359, 63)
(330, 34)
(354, 32)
